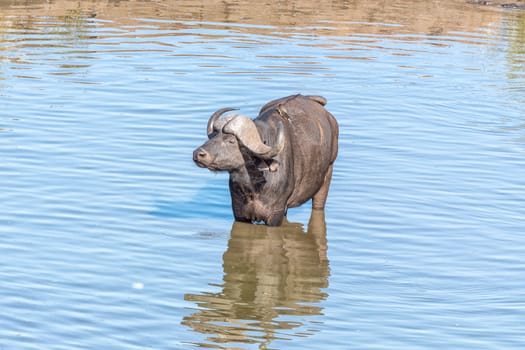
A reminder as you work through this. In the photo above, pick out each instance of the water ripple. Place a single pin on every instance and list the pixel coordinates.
(112, 238)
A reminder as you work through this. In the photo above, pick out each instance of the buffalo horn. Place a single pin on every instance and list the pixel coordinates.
(246, 132)
(216, 116)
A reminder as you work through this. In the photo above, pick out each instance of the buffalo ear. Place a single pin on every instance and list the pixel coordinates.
(273, 165)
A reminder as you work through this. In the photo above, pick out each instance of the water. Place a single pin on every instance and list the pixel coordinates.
(111, 238)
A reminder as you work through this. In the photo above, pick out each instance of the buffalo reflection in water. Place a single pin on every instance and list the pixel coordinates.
(273, 277)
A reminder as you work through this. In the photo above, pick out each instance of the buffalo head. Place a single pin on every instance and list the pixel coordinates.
(228, 137)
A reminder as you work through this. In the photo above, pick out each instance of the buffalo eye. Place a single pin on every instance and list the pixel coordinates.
(231, 139)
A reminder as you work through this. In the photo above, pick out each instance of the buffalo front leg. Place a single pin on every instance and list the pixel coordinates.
(319, 199)
(275, 218)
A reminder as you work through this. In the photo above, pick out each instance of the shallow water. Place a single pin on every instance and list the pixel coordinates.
(111, 238)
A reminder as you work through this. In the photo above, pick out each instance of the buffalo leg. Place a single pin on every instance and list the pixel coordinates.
(275, 219)
(242, 219)
(319, 199)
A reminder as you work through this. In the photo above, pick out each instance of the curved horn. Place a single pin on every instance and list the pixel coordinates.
(246, 132)
(216, 116)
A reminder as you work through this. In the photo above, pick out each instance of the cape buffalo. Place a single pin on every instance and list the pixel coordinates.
(276, 161)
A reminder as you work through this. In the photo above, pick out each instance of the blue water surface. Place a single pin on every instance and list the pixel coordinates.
(111, 238)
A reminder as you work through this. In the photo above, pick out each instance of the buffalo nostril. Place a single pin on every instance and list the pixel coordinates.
(200, 154)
